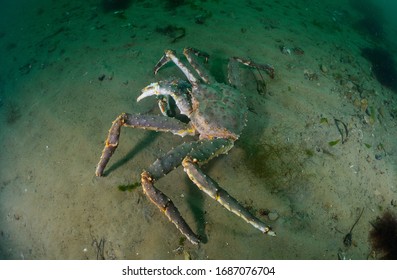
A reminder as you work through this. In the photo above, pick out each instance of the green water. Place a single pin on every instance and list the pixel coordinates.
(69, 68)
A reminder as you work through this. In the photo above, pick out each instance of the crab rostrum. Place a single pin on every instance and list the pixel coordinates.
(217, 115)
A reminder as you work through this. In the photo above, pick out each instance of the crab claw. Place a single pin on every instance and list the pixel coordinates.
(152, 89)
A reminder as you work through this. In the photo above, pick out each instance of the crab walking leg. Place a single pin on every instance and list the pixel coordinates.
(163, 61)
(203, 149)
(233, 68)
(157, 123)
(191, 54)
(165, 105)
(211, 188)
(167, 207)
(266, 67)
(170, 55)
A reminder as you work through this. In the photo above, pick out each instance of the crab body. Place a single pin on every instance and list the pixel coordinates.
(217, 114)
(219, 111)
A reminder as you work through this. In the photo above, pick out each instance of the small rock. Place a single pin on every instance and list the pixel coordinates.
(311, 76)
(349, 85)
(273, 216)
(357, 103)
(285, 50)
(101, 77)
(364, 104)
(323, 68)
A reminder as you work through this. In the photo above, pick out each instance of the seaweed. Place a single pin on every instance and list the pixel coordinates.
(344, 133)
(383, 236)
(309, 152)
(100, 248)
(333, 143)
(182, 241)
(128, 187)
(347, 240)
(279, 165)
(324, 120)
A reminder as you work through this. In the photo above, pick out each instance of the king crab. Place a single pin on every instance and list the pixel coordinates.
(217, 114)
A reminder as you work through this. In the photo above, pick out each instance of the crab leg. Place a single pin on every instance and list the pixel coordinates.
(163, 61)
(166, 105)
(266, 67)
(157, 123)
(233, 69)
(170, 55)
(211, 188)
(166, 206)
(190, 54)
(203, 150)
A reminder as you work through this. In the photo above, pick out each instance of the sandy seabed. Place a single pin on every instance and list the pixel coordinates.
(69, 69)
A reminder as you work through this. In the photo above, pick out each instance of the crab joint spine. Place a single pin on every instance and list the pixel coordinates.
(211, 188)
(167, 207)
